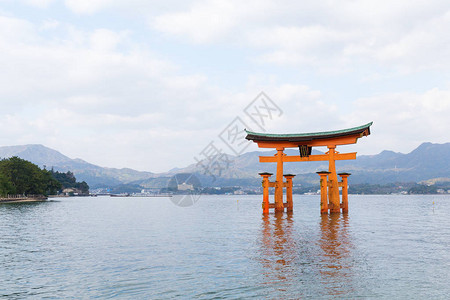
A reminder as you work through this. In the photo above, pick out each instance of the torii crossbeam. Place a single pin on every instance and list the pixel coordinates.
(329, 184)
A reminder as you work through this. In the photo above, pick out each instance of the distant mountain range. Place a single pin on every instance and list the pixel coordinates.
(427, 162)
(94, 175)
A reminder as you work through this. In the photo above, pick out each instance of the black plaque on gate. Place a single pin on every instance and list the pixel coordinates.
(304, 150)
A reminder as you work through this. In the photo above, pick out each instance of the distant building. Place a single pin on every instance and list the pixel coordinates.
(71, 191)
(185, 187)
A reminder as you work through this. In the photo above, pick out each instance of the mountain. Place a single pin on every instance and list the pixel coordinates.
(427, 162)
(94, 175)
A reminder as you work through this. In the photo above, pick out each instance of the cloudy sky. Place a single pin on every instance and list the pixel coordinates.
(149, 84)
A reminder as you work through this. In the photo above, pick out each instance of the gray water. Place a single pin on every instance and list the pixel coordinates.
(223, 247)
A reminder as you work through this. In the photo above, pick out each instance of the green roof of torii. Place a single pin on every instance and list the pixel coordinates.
(299, 137)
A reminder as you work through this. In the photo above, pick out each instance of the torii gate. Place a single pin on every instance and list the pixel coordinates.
(329, 184)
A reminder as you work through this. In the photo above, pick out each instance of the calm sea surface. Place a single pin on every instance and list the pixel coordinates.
(222, 247)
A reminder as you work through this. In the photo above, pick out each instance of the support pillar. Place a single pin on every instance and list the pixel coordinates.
(265, 185)
(344, 183)
(290, 203)
(323, 192)
(279, 206)
(333, 191)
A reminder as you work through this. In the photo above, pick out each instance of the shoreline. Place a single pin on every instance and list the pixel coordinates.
(23, 199)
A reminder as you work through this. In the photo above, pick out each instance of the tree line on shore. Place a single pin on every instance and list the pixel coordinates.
(19, 176)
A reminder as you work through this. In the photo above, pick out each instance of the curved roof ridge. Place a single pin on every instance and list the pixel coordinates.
(311, 135)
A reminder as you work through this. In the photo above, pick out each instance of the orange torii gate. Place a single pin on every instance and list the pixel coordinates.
(329, 184)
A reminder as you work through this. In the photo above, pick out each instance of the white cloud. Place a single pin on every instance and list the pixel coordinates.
(208, 21)
(104, 40)
(331, 37)
(203, 22)
(99, 88)
(427, 46)
(141, 142)
(134, 8)
(417, 46)
(402, 121)
(15, 30)
(334, 38)
(79, 64)
(304, 109)
(315, 45)
(87, 6)
(39, 3)
(49, 25)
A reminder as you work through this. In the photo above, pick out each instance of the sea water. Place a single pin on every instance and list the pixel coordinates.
(222, 247)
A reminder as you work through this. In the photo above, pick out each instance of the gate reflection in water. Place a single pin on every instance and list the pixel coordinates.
(320, 264)
(335, 243)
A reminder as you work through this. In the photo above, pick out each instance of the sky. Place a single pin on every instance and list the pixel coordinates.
(150, 85)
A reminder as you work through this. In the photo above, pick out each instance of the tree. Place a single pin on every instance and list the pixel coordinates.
(19, 176)
(68, 180)
(5, 185)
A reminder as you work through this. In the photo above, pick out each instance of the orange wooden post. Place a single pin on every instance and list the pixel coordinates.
(344, 177)
(323, 191)
(290, 203)
(333, 191)
(265, 184)
(279, 206)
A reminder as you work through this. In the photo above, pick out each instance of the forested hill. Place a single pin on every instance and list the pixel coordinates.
(21, 177)
(84, 171)
(18, 176)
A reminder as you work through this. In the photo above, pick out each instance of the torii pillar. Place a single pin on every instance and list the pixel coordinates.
(333, 189)
(344, 185)
(288, 184)
(279, 206)
(323, 191)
